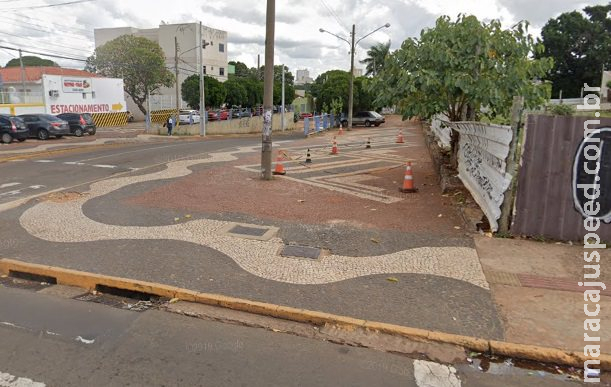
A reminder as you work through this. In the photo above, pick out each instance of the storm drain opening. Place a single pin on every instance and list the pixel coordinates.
(17, 283)
(41, 279)
(123, 299)
(295, 251)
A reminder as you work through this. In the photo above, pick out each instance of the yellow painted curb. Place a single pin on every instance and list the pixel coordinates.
(90, 281)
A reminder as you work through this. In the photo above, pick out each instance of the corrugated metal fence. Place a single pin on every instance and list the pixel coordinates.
(548, 201)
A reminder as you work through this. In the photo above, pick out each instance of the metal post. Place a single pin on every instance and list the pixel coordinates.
(268, 92)
(512, 162)
(351, 90)
(22, 75)
(148, 112)
(282, 110)
(176, 73)
(202, 102)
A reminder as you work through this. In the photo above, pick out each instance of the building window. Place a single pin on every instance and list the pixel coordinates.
(84, 95)
(204, 69)
(221, 71)
(221, 47)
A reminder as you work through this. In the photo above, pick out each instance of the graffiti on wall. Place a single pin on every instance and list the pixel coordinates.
(483, 150)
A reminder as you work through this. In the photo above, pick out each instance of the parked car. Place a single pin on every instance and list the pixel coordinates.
(223, 114)
(189, 116)
(304, 115)
(365, 118)
(42, 126)
(240, 112)
(212, 115)
(12, 128)
(80, 123)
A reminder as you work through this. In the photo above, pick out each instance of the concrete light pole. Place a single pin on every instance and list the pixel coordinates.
(352, 44)
(268, 92)
(282, 110)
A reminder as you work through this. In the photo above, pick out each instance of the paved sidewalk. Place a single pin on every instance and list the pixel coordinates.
(342, 238)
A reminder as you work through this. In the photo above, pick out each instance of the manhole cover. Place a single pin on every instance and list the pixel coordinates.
(301, 252)
(249, 231)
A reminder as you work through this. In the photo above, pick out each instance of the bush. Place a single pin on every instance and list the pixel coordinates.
(562, 110)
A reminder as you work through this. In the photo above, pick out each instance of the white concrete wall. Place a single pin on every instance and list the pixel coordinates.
(237, 126)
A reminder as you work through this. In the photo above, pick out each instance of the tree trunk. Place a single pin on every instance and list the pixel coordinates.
(454, 139)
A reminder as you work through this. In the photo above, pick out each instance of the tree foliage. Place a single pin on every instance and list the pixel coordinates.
(335, 85)
(463, 64)
(376, 57)
(237, 95)
(31, 61)
(214, 92)
(139, 61)
(580, 46)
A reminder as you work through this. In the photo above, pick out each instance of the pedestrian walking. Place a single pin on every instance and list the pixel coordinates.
(170, 125)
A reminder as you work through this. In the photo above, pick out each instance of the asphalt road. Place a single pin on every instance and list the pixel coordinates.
(58, 341)
(39, 174)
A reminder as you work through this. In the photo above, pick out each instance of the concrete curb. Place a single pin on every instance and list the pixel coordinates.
(89, 281)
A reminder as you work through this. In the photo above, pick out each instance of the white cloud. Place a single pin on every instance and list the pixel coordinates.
(68, 30)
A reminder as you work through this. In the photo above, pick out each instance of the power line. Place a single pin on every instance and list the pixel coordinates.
(80, 49)
(337, 19)
(76, 36)
(47, 6)
(44, 54)
(59, 27)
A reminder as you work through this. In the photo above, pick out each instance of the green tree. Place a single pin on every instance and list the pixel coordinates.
(376, 56)
(214, 91)
(459, 67)
(139, 61)
(31, 61)
(236, 92)
(580, 46)
(335, 85)
(254, 91)
(241, 70)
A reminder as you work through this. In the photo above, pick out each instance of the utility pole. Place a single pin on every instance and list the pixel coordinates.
(202, 101)
(351, 90)
(176, 73)
(148, 112)
(22, 75)
(282, 110)
(268, 92)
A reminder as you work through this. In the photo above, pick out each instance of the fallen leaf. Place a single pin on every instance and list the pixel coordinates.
(301, 201)
(457, 228)
(188, 216)
(174, 300)
(454, 318)
(176, 219)
(392, 279)
(375, 240)
(440, 216)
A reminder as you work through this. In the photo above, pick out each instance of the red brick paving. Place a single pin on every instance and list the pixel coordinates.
(562, 284)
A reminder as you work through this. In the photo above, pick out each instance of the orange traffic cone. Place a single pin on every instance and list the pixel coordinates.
(334, 149)
(279, 167)
(341, 130)
(408, 180)
(400, 137)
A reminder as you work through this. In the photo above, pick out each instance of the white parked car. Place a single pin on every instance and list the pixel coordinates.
(188, 117)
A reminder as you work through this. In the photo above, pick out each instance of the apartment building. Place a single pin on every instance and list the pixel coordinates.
(188, 37)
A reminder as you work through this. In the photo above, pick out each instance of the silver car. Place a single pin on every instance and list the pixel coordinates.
(367, 118)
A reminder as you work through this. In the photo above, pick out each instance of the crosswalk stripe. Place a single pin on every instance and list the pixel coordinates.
(8, 380)
(7, 185)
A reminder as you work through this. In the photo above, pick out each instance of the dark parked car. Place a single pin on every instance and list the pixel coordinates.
(80, 123)
(42, 126)
(365, 118)
(12, 128)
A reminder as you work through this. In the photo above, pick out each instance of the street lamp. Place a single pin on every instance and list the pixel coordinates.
(353, 44)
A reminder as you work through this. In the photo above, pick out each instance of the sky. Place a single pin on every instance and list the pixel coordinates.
(67, 30)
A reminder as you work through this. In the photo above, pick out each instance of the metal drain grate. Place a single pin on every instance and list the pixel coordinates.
(301, 252)
(18, 283)
(249, 231)
(122, 302)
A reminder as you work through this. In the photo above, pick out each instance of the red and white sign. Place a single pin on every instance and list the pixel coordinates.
(80, 108)
(76, 85)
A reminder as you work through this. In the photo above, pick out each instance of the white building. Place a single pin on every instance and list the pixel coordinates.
(303, 77)
(187, 35)
(357, 72)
